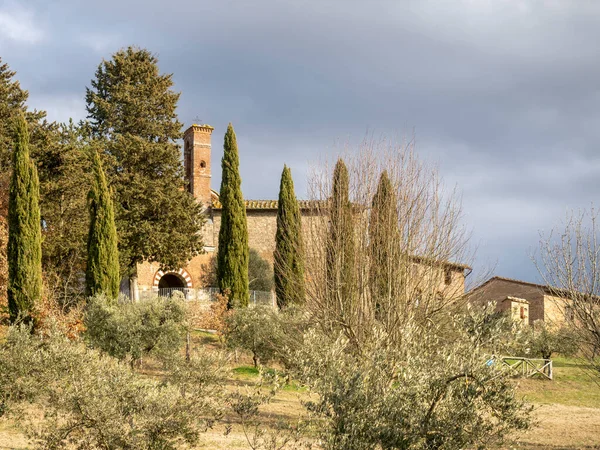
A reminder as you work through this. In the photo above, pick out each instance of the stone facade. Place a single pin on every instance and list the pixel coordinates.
(261, 217)
(541, 304)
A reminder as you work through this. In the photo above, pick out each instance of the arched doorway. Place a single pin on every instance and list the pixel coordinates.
(165, 284)
(170, 280)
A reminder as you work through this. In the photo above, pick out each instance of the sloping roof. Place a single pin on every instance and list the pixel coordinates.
(516, 299)
(260, 204)
(264, 204)
(544, 288)
(442, 262)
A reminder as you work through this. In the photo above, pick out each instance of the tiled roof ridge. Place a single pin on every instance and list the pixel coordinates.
(545, 288)
(259, 203)
(514, 280)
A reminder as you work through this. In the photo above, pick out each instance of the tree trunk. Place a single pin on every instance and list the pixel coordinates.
(134, 294)
(187, 347)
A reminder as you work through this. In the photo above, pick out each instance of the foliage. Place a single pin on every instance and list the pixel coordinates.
(214, 318)
(288, 257)
(12, 106)
(232, 264)
(129, 331)
(383, 227)
(265, 332)
(93, 401)
(496, 330)
(568, 262)
(254, 329)
(382, 249)
(260, 274)
(4, 182)
(65, 173)
(428, 391)
(543, 340)
(132, 112)
(24, 232)
(102, 273)
(51, 315)
(340, 243)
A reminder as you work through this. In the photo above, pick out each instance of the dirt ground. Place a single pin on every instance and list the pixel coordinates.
(564, 427)
(557, 427)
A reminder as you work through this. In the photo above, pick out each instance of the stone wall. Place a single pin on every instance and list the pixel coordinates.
(554, 310)
(262, 226)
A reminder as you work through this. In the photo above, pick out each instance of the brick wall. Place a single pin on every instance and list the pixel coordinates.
(497, 290)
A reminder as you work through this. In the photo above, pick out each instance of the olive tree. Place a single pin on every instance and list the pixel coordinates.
(436, 388)
(130, 331)
(90, 400)
(391, 355)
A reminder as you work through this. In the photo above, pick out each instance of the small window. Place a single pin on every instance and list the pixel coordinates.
(202, 164)
(522, 312)
(447, 277)
(569, 313)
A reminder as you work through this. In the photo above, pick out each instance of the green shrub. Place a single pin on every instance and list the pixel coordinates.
(542, 341)
(133, 330)
(93, 401)
(432, 390)
(265, 332)
(260, 272)
(257, 330)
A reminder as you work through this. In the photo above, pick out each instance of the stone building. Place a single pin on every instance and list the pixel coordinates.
(261, 217)
(526, 301)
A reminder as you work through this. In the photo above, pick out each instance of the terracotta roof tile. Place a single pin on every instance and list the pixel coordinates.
(261, 204)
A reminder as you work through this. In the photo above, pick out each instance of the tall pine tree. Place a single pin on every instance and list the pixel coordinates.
(384, 246)
(24, 230)
(132, 111)
(288, 257)
(340, 242)
(102, 274)
(66, 174)
(232, 257)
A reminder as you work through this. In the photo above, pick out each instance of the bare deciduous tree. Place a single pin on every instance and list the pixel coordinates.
(424, 246)
(569, 263)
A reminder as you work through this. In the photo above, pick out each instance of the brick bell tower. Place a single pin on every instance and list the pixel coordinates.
(196, 161)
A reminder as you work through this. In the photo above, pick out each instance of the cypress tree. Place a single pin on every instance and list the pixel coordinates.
(384, 245)
(232, 256)
(288, 257)
(102, 274)
(340, 242)
(24, 230)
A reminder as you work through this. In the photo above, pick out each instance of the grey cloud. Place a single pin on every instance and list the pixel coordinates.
(503, 94)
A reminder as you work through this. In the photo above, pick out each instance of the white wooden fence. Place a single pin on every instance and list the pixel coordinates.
(527, 367)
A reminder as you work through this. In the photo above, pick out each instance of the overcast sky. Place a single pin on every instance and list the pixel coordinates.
(504, 95)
